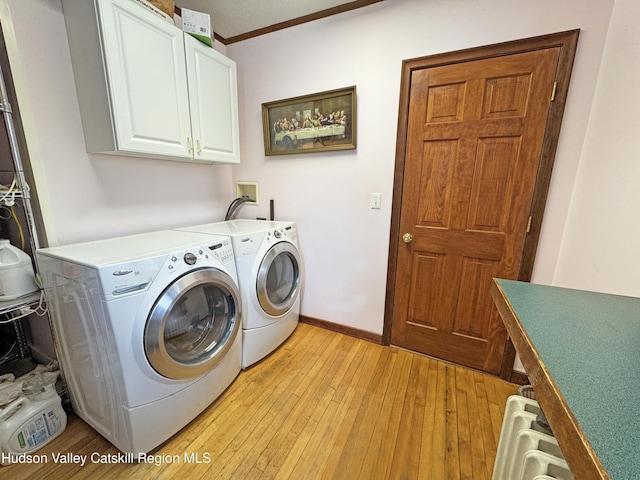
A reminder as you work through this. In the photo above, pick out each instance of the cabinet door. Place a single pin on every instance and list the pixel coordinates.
(144, 58)
(213, 99)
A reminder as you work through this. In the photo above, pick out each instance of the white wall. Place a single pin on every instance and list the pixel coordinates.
(87, 196)
(600, 248)
(344, 242)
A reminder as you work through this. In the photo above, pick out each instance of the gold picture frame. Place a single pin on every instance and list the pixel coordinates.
(321, 122)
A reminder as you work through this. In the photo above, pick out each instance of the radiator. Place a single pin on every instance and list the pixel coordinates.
(526, 449)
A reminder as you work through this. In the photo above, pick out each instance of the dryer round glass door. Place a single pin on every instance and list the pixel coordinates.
(193, 324)
(278, 281)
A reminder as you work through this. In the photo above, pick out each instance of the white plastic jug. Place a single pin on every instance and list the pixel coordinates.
(16, 272)
(27, 424)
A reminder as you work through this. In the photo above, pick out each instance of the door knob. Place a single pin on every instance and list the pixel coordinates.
(407, 238)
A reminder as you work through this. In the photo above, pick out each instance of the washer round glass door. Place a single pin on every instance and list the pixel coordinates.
(278, 281)
(193, 324)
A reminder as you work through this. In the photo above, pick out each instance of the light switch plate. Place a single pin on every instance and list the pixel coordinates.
(375, 200)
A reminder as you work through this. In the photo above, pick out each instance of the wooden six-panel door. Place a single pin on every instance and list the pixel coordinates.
(475, 133)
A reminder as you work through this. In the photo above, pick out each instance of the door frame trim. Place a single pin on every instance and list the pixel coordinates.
(567, 42)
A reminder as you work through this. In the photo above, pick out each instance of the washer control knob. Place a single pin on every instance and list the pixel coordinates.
(277, 233)
(190, 258)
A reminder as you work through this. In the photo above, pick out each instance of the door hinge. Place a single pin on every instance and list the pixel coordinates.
(529, 224)
(553, 92)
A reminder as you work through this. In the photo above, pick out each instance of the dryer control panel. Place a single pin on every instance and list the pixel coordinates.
(287, 232)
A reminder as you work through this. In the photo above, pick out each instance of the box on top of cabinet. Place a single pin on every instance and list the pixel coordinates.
(167, 6)
(198, 25)
(152, 7)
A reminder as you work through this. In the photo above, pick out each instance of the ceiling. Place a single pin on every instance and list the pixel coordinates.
(235, 20)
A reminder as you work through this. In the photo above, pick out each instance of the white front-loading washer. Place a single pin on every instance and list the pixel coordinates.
(147, 329)
(270, 273)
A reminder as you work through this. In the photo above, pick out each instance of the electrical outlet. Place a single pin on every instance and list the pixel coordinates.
(375, 200)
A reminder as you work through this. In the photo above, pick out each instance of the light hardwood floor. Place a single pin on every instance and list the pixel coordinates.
(323, 406)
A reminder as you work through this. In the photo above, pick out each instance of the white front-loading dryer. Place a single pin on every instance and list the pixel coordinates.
(148, 330)
(270, 273)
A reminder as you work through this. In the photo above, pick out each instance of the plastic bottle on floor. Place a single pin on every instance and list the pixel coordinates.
(30, 422)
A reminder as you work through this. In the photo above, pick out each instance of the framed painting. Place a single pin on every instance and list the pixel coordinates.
(321, 122)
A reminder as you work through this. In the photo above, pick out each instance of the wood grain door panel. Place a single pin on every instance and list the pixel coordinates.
(474, 138)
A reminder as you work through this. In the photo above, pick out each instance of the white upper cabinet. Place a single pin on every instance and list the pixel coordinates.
(145, 88)
(213, 101)
(145, 66)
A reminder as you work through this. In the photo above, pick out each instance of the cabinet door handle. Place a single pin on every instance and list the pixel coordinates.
(199, 143)
(190, 144)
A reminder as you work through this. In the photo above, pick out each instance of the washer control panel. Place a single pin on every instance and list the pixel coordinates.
(136, 276)
(221, 251)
